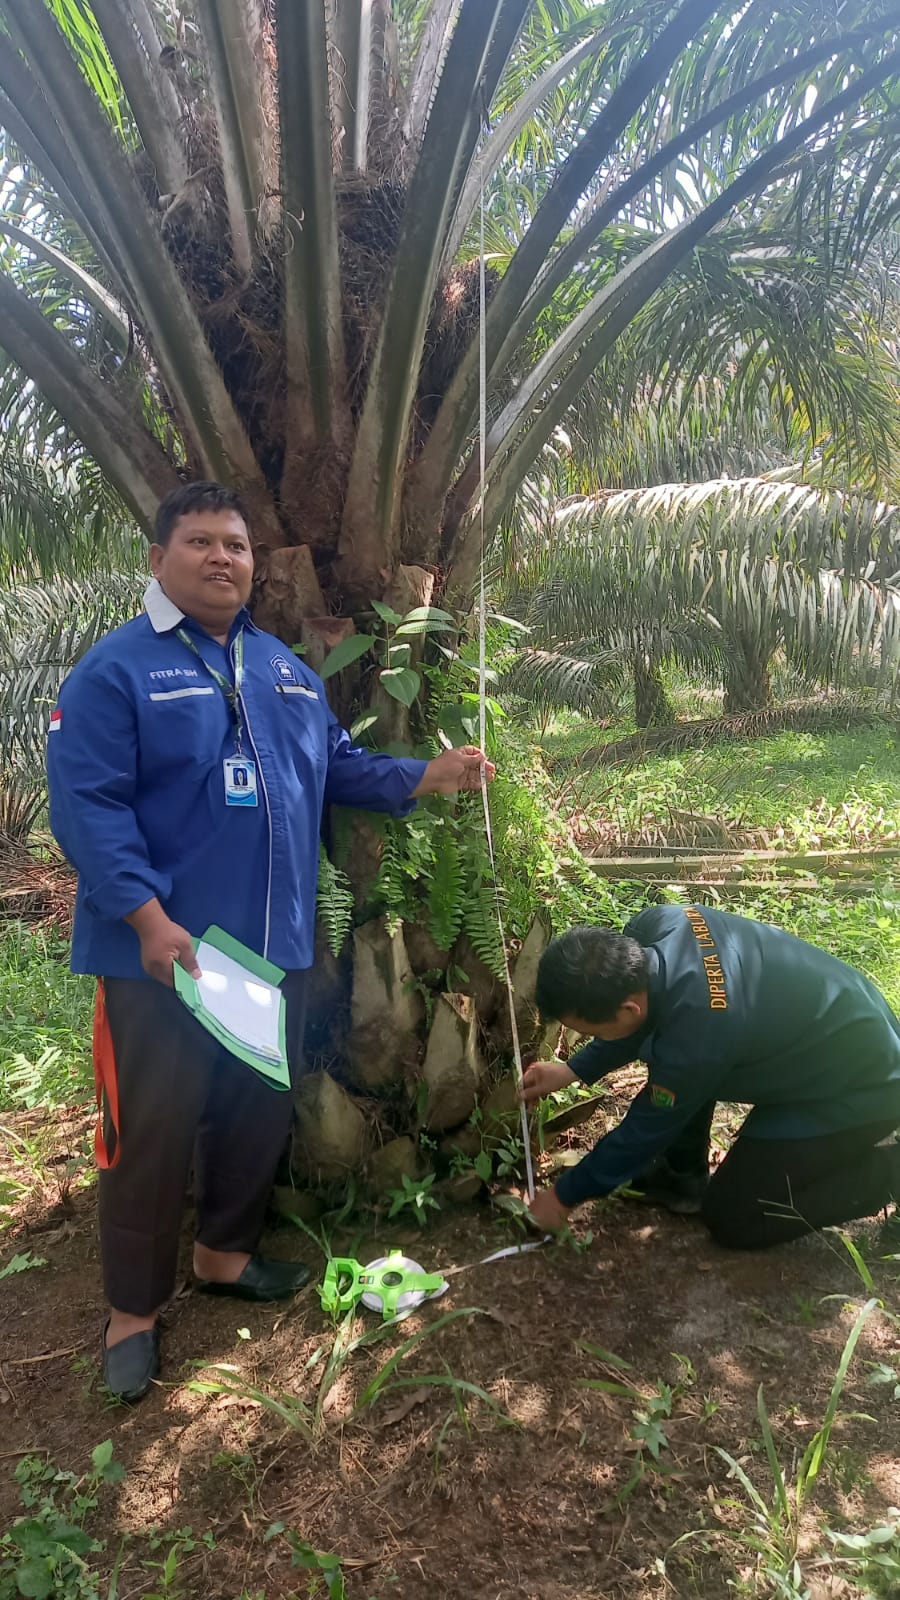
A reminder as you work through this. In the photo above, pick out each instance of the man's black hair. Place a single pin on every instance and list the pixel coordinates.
(588, 973)
(190, 497)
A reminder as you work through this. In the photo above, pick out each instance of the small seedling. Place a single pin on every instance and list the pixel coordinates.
(326, 1568)
(181, 1542)
(807, 1310)
(415, 1195)
(652, 1410)
(22, 1263)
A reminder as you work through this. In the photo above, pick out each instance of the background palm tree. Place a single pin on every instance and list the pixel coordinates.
(720, 577)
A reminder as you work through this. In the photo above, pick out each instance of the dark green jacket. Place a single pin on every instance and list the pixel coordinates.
(744, 1012)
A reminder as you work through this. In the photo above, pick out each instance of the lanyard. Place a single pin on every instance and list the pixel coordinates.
(232, 692)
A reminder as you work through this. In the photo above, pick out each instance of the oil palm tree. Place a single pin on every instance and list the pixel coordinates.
(720, 576)
(239, 236)
(240, 242)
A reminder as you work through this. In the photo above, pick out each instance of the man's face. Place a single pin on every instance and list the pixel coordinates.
(206, 569)
(631, 1016)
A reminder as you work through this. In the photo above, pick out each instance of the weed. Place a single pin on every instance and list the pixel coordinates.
(288, 1408)
(327, 1577)
(773, 1533)
(44, 1554)
(872, 1558)
(848, 1468)
(22, 1263)
(181, 1542)
(882, 1373)
(381, 1380)
(415, 1195)
(46, 1016)
(653, 1409)
(859, 1263)
(54, 1157)
(243, 1469)
(807, 1310)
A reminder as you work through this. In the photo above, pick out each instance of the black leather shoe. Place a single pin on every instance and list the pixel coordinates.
(261, 1280)
(130, 1366)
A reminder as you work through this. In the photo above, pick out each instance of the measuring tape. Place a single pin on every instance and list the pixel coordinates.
(482, 685)
(394, 1284)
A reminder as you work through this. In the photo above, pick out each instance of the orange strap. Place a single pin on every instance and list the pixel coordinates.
(105, 1082)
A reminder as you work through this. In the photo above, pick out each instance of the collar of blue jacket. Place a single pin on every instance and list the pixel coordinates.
(164, 616)
(135, 767)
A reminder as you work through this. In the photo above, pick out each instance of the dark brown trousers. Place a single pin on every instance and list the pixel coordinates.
(183, 1102)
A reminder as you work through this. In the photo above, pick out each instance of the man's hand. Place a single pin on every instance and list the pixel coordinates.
(548, 1211)
(163, 942)
(454, 770)
(542, 1078)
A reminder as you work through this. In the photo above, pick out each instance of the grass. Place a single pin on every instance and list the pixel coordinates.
(806, 791)
(798, 791)
(45, 1022)
(770, 1526)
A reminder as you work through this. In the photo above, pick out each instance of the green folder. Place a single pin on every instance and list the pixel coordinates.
(233, 1022)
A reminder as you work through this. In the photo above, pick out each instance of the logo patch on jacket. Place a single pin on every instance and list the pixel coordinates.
(663, 1098)
(283, 669)
(56, 721)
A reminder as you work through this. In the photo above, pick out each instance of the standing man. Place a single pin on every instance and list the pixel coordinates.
(189, 761)
(723, 1008)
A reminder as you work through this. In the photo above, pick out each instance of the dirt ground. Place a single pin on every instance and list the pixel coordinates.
(429, 1492)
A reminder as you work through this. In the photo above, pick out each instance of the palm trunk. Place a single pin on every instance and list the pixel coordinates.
(748, 685)
(652, 705)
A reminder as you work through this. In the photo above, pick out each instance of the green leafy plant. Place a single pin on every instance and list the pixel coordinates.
(22, 1263)
(414, 1195)
(385, 1379)
(870, 1559)
(44, 1555)
(653, 1408)
(326, 1569)
(226, 1379)
(180, 1542)
(392, 648)
(46, 1057)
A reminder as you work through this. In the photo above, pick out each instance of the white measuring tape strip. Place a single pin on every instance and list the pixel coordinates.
(498, 1255)
(482, 693)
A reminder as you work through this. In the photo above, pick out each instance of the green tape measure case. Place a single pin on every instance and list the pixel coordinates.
(392, 1285)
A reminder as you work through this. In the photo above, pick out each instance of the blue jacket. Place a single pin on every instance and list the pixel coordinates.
(135, 765)
(740, 1011)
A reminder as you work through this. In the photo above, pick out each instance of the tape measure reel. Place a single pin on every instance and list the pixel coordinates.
(392, 1285)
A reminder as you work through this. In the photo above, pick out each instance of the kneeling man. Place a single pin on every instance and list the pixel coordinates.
(724, 1008)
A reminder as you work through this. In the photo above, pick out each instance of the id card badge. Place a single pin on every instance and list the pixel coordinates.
(240, 781)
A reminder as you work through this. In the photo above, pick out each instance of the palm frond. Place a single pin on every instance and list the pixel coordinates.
(721, 575)
(44, 630)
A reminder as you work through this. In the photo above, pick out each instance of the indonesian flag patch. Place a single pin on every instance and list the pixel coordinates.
(56, 720)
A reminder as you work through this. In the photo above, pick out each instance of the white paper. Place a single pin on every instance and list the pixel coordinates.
(241, 1002)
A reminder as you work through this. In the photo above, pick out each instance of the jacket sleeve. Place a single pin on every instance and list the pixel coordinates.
(654, 1119)
(92, 773)
(358, 777)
